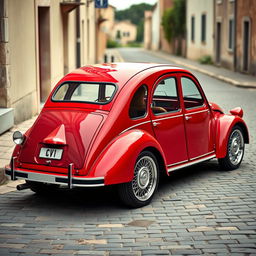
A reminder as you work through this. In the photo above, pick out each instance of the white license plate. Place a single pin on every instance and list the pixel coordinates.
(51, 153)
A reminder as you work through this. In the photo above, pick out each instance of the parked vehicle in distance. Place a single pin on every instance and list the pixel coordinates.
(124, 124)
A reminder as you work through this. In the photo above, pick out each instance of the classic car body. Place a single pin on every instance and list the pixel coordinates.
(124, 123)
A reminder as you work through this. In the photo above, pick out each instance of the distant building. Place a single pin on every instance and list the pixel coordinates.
(154, 37)
(245, 58)
(148, 30)
(105, 24)
(124, 32)
(200, 28)
(156, 23)
(235, 35)
(40, 41)
(224, 33)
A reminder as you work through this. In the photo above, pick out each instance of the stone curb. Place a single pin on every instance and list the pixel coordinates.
(203, 71)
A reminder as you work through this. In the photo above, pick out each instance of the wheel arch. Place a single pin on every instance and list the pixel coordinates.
(225, 124)
(116, 162)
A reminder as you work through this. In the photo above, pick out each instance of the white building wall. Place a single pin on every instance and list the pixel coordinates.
(197, 48)
(156, 27)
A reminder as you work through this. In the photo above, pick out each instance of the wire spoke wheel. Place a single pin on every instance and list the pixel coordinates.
(139, 192)
(235, 150)
(236, 147)
(145, 178)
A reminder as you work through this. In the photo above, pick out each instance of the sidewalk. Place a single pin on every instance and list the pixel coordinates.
(7, 145)
(226, 75)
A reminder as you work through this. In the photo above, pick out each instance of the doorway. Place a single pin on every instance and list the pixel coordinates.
(218, 43)
(44, 52)
(246, 46)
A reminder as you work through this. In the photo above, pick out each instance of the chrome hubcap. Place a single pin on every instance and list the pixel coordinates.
(145, 178)
(236, 147)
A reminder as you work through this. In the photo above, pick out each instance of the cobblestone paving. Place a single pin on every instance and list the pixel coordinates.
(197, 210)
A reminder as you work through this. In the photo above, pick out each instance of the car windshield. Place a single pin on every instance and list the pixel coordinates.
(99, 93)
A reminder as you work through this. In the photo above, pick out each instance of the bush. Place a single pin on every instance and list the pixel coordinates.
(112, 44)
(134, 44)
(206, 60)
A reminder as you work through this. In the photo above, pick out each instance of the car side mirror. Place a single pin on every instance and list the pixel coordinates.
(237, 112)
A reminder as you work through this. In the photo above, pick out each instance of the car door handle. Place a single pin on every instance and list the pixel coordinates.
(188, 117)
(156, 123)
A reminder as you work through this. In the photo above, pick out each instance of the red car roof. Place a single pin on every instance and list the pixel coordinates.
(112, 73)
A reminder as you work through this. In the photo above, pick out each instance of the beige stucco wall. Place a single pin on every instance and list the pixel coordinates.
(196, 48)
(125, 27)
(21, 58)
(23, 66)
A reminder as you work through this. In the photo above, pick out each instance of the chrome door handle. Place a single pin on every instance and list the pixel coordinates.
(188, 117)
(156, 123)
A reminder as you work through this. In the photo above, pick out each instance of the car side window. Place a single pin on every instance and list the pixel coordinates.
(191, 94)
(165, 97)
(138, 106)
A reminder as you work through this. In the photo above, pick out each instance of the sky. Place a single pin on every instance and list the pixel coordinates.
(123, 4)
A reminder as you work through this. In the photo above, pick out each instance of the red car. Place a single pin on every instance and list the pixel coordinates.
(124, 124)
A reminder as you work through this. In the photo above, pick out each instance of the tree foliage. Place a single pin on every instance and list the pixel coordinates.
(174, 21)
(135, 14)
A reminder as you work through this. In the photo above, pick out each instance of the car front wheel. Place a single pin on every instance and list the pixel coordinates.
(139, 192)
(235, 150)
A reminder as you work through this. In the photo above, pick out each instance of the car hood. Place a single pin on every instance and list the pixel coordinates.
(70, 130)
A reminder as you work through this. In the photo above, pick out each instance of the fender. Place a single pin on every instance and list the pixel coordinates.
(224, 125)
(116, 162)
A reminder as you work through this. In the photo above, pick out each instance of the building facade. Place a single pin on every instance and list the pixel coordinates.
(235, 35)
(200, 28)
(245, 58)
(40, 41)
(124, 32)
(148, 30)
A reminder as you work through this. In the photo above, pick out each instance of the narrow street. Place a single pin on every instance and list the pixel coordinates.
(197, 210)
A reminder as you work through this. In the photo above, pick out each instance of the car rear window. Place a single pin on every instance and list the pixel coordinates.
(97, 93)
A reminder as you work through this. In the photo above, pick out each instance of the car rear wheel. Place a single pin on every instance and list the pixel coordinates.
(42, 188)
(140, 191)
(235, 150)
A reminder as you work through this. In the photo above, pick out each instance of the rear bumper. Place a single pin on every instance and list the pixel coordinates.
(69, 180)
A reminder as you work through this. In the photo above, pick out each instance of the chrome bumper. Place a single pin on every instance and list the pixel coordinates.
(69, 180)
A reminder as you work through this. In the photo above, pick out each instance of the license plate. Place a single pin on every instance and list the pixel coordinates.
(51, 153)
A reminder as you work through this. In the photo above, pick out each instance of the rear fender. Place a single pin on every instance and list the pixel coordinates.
(116, 163)
(225, 123)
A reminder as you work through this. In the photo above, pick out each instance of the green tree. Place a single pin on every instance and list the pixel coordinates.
(135, 14)
(174, 23)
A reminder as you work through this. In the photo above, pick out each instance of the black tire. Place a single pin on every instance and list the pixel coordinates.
(235, 150)
(42, 188)
(140, 191)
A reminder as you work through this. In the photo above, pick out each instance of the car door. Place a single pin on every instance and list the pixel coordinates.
(198, 119)
(167, 119)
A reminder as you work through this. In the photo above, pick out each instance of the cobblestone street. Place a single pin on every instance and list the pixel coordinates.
(197, 210)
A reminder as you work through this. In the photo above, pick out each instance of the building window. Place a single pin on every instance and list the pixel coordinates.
(203, 28)
(193, 28)
(231, 34)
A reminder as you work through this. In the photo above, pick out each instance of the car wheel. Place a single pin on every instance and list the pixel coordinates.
(42, 188)
(235, 150)
(139, 192)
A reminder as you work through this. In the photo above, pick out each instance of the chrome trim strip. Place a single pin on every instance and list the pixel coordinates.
(57, 179)
(191, 163)
(169, 165)
(197, 112)
(209, 153)
(135, 126)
